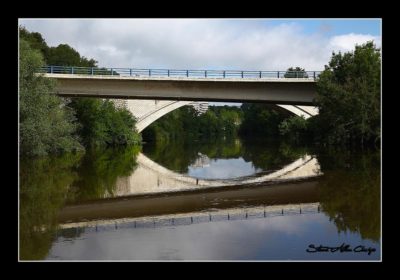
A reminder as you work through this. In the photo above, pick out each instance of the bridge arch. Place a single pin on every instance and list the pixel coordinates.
(148, 111)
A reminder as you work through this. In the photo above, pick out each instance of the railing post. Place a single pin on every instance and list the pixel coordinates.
(224, 74)
(72, 70)
(260, 74)
(112, 72)
(168, 72)
(130, 72)
(314, 75)
(187, 73)
(149, 72)
(278, 74)
(51, 69)
(242, 74)
(205, 73)
(92, 71)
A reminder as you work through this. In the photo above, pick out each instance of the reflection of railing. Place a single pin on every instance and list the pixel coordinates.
(196, 218)
(219, 74)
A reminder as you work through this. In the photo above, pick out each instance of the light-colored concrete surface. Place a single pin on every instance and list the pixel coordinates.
(295, 110)
(154, 115)
(311, 110)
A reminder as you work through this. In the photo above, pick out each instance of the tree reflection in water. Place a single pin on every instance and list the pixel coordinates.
(44, 185)
(48, 183)
(99, 170)
(350, 191)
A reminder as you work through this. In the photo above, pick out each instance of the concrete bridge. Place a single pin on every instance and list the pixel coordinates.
(278, 87)
(151, 93)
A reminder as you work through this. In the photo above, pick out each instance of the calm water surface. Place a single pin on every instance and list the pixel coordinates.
(212, 200)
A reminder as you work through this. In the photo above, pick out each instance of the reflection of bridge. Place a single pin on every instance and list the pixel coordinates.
(293, 92)
(230, 214)
(154, 190)
(150, 177)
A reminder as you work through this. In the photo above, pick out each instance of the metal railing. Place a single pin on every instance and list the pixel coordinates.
(173, 73)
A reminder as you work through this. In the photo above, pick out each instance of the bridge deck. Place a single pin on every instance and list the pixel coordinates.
(277, 91)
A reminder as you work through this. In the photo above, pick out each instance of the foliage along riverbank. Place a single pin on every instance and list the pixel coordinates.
(53, 125)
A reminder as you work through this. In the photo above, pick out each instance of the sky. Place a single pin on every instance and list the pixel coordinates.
(242, 44)
(215, 44)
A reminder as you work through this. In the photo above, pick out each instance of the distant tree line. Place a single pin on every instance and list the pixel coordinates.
(217, 121)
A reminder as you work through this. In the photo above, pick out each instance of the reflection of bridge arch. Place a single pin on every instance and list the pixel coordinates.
(148, 111)
(150, 177)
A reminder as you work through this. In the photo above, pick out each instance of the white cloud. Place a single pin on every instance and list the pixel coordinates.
(194, 44)
(347, 42)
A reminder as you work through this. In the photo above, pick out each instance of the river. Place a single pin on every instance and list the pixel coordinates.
(222, 199)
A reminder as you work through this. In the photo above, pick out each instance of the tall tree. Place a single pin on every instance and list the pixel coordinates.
(46, 124)
(35, 40)
(349, 96)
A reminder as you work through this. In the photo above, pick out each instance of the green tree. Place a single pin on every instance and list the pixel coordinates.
(349, 97)
(294, 127)
(63, 55)
(261, 119)
(296, 72)
(46, 124)
(35, 40)
(102, 124)
(186, 122)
